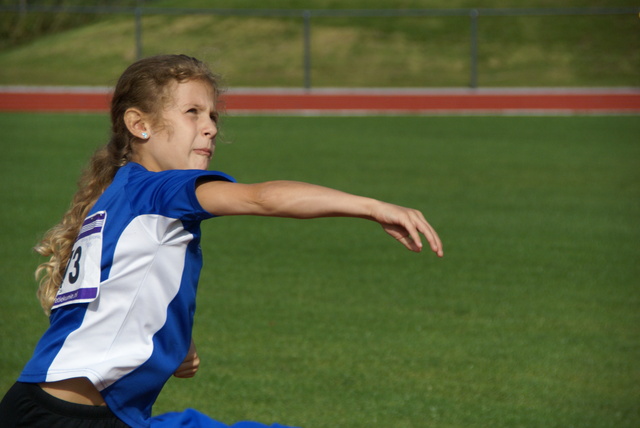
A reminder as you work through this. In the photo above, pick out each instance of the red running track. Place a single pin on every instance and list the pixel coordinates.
(357, 101)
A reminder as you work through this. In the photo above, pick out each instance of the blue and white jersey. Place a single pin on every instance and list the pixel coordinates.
(124, 313)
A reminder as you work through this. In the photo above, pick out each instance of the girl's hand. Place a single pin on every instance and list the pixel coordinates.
(405, 225)
(190, 365)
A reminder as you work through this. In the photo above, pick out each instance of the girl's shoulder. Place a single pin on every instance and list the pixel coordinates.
(169, 192)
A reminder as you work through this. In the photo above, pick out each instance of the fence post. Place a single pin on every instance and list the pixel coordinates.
(306, 15)
(138, 19)
(473, 81)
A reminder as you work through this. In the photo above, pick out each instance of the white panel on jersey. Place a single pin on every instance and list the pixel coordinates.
(117, 330)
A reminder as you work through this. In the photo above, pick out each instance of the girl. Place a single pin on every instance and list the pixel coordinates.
(124, 262)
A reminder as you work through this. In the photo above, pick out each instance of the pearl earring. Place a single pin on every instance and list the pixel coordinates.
(145, 135)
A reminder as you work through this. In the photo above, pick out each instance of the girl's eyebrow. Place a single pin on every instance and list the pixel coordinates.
(196, 105)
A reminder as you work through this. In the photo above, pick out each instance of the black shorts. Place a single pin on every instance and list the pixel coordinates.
(27, 405)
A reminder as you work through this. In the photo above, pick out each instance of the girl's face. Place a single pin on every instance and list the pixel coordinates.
(185, 137)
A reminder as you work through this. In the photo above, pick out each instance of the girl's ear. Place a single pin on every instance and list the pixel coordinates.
(136, 123)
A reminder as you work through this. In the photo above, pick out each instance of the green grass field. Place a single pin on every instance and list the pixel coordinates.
(532, 319)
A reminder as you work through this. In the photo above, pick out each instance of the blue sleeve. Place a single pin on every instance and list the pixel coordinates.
(171, 193)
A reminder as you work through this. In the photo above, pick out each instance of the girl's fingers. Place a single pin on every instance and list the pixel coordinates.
(424, 228)
(406, 226)
(434, 240)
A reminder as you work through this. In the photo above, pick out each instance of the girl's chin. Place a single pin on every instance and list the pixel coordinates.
(201, 162)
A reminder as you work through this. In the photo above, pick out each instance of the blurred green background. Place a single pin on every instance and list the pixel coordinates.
(568, 50)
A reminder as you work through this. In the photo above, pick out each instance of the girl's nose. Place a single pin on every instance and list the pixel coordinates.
(211, 129)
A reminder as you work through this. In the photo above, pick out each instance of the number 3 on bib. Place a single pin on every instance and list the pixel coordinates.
(82, 278)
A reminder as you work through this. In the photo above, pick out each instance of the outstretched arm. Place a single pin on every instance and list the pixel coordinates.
(302, 200)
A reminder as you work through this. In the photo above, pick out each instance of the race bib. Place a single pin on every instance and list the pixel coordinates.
(82, 277)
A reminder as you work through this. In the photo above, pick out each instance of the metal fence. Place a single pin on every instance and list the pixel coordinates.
(306, 16)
